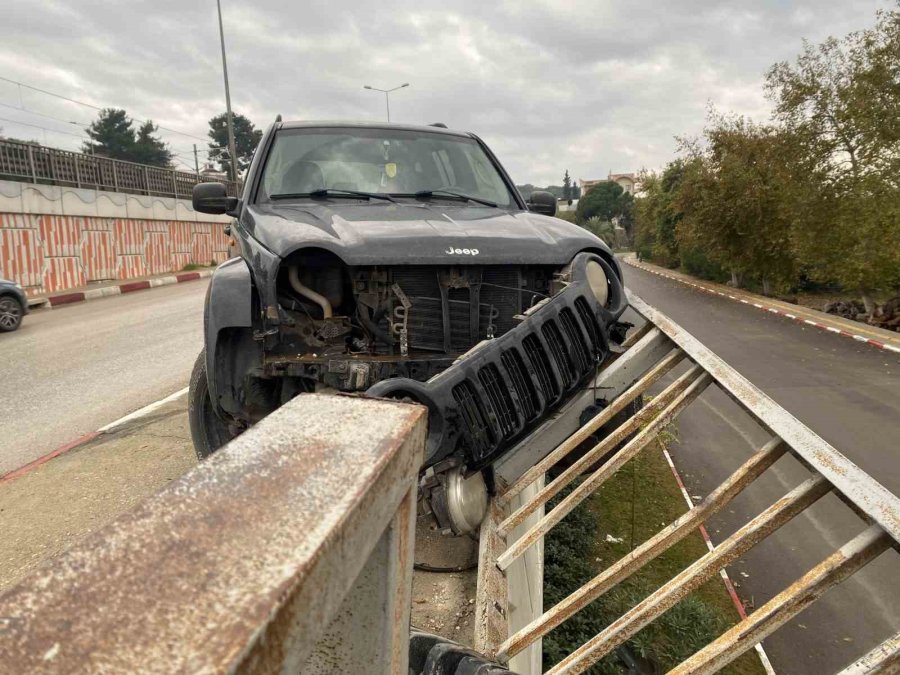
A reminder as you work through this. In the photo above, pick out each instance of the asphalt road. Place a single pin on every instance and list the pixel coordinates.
(849, 394)
(72, 369)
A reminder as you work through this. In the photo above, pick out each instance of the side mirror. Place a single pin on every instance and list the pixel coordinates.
(542, 202)
(213, 198)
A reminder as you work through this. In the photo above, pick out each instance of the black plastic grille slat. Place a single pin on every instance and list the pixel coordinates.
(557, 347)
(582, 351)
(589, 321)
(522, 385)
(474, 417)
(538, 359)
(499, 398)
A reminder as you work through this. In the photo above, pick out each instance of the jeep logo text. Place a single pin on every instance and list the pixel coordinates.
(461, 251)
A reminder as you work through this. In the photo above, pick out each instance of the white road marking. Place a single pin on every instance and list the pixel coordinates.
(146, 410)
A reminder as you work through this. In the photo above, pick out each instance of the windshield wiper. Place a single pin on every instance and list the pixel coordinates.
(425, 194)
(333, 192)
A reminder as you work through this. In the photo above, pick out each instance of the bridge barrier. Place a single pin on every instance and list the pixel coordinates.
(289, 550)
(517, 522)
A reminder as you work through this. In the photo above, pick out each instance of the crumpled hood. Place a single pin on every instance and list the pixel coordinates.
(383, 233)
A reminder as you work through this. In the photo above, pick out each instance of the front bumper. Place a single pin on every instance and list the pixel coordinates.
(504, 387)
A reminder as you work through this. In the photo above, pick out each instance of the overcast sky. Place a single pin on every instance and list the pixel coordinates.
(587, 86)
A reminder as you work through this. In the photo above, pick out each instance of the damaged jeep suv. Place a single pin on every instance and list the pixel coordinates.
(372, 258)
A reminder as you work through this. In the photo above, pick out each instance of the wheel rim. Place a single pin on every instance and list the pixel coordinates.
(10, 313)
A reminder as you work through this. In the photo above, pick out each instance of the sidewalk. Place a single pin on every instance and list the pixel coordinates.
(103, 289)
(877, 337)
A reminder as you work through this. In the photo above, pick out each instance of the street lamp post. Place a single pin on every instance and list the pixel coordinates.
(386, 92)
(230, 118)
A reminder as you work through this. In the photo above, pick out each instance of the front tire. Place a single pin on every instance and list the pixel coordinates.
(11, 313)
(208, 431)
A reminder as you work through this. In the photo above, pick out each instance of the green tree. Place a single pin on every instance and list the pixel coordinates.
(149, 149)
(111, 135)
(840, 100)
(567, 186)
(731, 197)
(246, 138)
(607, 200)
(656, 214)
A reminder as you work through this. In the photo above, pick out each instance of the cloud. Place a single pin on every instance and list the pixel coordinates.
(550, 84)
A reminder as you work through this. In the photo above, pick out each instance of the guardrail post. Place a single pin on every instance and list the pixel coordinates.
(77, 173)
(147, 179)
(115, 177)
(174, 184)
(31, 164)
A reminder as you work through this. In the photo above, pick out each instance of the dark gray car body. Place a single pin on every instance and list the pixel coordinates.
(243, 316)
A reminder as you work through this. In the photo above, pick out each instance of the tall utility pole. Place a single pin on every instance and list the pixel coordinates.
(230, 119)
(387, 93)
(196, 161)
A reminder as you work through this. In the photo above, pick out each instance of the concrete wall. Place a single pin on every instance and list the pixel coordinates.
(54, 238)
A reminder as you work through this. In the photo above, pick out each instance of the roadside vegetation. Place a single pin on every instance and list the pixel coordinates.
(630, 508)
(806, 202)
(113, 134)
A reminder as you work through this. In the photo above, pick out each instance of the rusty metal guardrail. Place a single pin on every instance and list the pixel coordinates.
(51, 166)
(517, 523)
(291, 549)
(288, 550)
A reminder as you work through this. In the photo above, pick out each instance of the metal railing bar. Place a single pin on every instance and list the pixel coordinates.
(635, 560)
(598, 451)
(844, 562)
(868, 494)
(671, 359)
(596, 479)
(634, 336)
(885, 658)
(688, 580)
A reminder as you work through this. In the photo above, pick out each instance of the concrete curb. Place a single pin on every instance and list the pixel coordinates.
(767, 308)
(124, 287)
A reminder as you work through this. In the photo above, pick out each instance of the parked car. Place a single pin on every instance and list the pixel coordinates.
(13, 305)
(373, 257)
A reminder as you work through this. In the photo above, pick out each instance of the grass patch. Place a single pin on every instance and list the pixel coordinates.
(633, 506)
(191, 267)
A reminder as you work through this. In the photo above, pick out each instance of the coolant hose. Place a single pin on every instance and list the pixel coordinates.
(319, 299)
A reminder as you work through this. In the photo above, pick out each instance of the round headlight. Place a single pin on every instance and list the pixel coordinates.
(598, 282)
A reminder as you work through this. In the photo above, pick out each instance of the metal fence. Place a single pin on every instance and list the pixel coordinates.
(518, 523)
(52, 166)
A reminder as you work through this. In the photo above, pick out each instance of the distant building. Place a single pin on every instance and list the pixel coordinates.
(211, 173)
(628, 182)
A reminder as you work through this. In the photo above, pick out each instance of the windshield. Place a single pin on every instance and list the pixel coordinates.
(383, 161)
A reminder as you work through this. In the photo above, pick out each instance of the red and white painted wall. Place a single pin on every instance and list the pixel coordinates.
(56, 238)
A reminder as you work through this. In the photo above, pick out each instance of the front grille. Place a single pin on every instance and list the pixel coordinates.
(504, 412)
(579, 348)
(564, 365)
(477, 432)
(540, 364)
(589, 321)
(523, 388)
